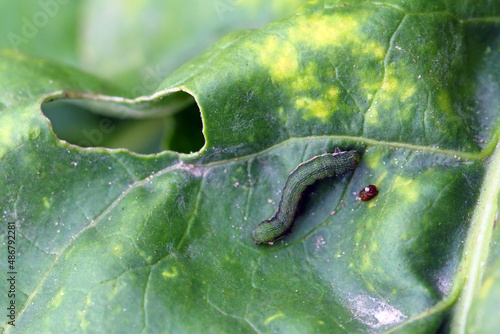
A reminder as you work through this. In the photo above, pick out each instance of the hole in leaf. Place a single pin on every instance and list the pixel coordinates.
(187, 135)
(181, 131)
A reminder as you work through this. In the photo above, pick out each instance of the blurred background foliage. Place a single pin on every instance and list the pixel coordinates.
(134, 44)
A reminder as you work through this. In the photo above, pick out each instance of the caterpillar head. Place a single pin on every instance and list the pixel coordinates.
(354, 159)
(264, 232)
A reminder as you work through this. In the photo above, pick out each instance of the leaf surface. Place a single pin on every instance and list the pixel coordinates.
(111, 241)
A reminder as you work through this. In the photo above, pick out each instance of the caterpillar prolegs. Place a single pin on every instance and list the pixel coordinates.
(305, 174)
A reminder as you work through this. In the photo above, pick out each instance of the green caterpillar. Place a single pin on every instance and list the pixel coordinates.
(305, 174)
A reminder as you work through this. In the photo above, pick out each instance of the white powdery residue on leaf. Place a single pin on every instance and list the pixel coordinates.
(197, 171)
(443, 280)
(444, 284)
(319, 241)
(375, 312)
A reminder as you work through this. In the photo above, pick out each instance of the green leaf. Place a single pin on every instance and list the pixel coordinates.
(113, 241)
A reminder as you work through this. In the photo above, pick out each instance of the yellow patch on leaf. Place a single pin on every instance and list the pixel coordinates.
(316, 108)
(444, 102)
(280, 57)
(406, 188)
(306, 80)
(320, 30)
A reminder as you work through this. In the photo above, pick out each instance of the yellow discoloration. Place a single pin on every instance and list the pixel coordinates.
(487, 285)
(374, 48)
(307, 80)
(117, 249)
(372, 204)
(333, 94)
(381, 178)
(390, 82)
(273, 317)
(279, 56)
(170, 274)
(6, 134)
(371, 84)
(406, 236)
(57, 300)
(444, 102)
(374, 159)
(115, 290)
(229, 259)
(68, 253)
(322, 107)
(46, 202)
(390, 87)
(406, 189)
(372, 116)
(366, 261)
(357, 238)
(84, 324)
(82, 314)
(320, 30)
(314, 108)
(408, 92)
